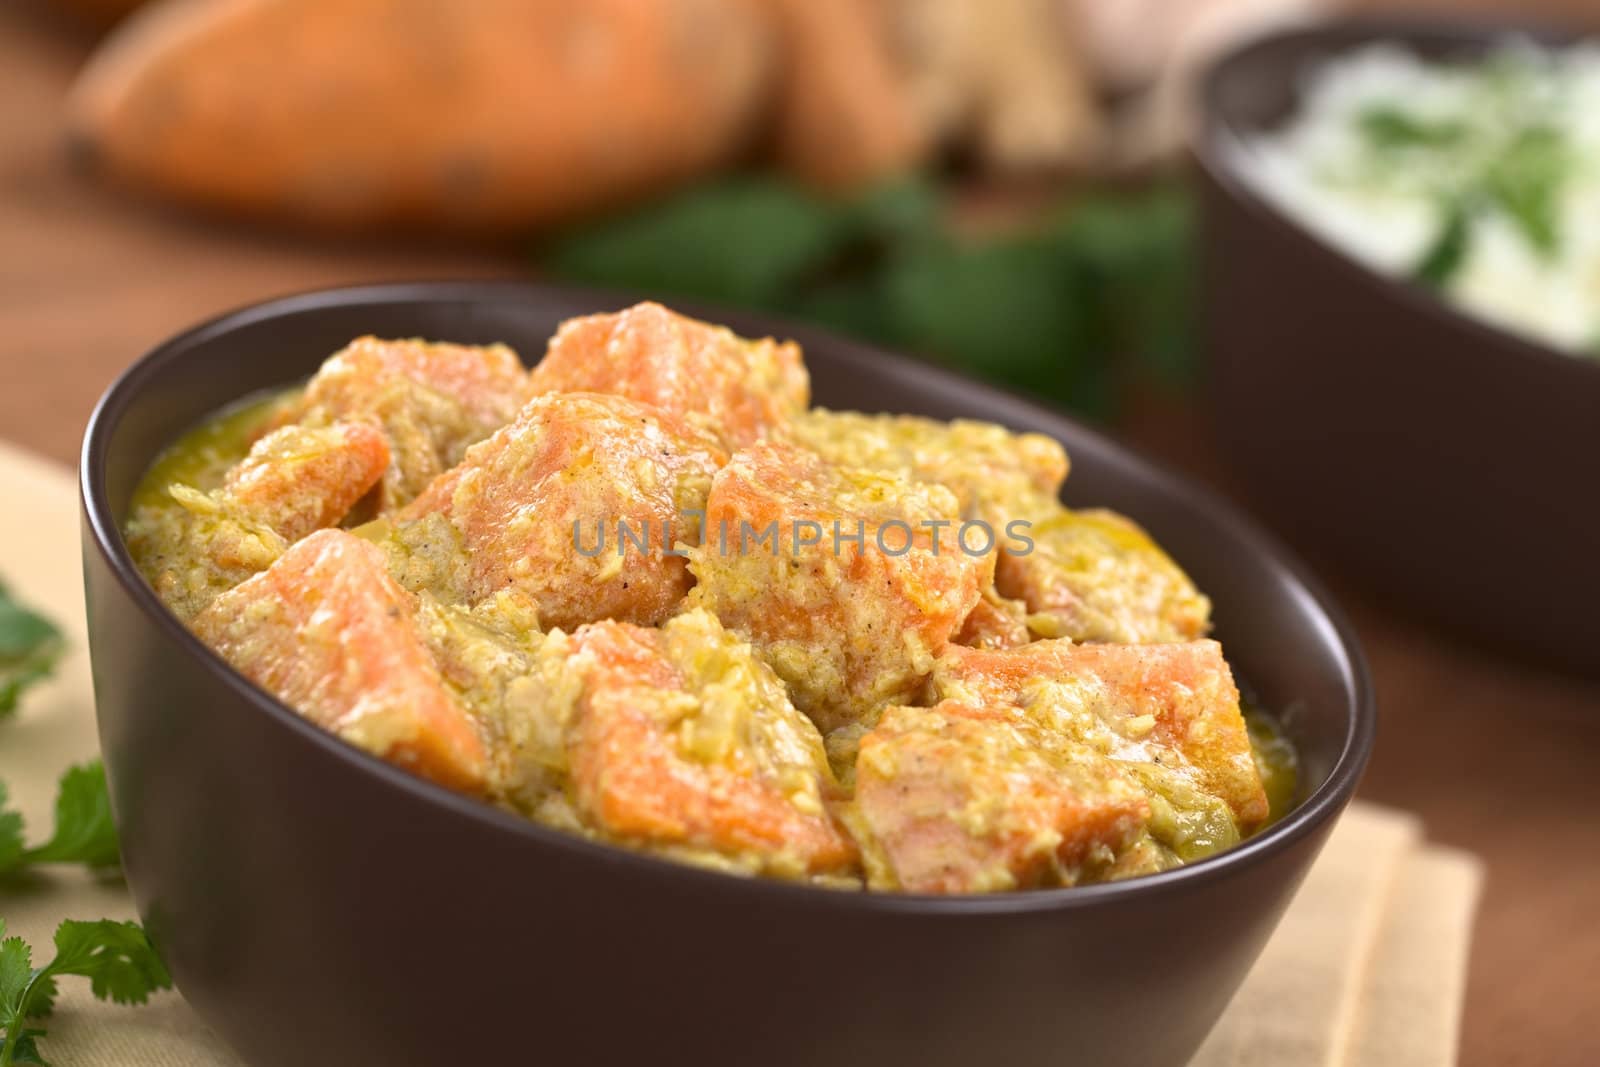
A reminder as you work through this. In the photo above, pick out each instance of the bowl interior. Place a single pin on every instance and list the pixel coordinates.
(1281, 636)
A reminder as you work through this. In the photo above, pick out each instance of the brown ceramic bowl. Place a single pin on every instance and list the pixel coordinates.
(1450, 464)
(323, 909)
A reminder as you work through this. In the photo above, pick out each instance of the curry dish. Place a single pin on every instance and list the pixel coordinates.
(647, 594)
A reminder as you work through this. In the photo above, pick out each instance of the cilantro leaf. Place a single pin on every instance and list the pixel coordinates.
(16, 971)
(25, 992)
(1390, 128)
(743, 241)
(907, 209)
(84, 830)
(117, 958)
(11, 846)
(39, 998)
(26, 1050)
(1137, 255)
(17, 981)
(1526, 182)
(1002, 307)
(852, 305)
(1502, 149)
(30, 644)
(1448, 252)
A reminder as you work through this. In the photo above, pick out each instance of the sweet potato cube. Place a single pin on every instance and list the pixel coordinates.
(738, 389)
(327, 631)
(994, 622)
(575, 507)
(195, 544)
(1094, 575)
(432, 400)
(997, 475)
(682, 740)
(298, 479)
(1174, 706)
(835, 575)
(974, 798)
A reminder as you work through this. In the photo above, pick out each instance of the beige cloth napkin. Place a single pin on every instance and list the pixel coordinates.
(1366, 970)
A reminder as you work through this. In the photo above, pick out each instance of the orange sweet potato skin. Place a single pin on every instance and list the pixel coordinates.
(501, 114)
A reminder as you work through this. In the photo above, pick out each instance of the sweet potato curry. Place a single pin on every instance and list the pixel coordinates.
(645, 593)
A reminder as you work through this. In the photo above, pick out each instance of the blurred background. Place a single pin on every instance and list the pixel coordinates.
(1002, 186)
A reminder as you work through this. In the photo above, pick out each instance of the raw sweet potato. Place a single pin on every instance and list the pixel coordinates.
(1004, 79)
(363, 113)
(845, 115)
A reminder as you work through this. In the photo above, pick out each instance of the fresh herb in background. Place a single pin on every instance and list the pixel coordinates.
(1390, 128)
(1506, 153)
(84, 831)
(116, 957)
(1526, 182)
(29, 647)
(1048, 309)
(1445, 256)
(1523, 181)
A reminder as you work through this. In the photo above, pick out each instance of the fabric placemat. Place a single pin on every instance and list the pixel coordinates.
(1367, 968)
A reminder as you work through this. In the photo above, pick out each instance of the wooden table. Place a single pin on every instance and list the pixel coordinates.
(1499, 759)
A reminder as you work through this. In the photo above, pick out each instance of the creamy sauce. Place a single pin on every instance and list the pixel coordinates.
(201, 457)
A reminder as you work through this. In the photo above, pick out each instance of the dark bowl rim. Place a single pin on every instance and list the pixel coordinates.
(1218, 126)
(1324, 803)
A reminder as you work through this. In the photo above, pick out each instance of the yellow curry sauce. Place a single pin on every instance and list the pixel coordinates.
(552, 590)
(202, 457)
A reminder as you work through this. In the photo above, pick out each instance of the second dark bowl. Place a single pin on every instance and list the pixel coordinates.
(1450, 464)
(321, 908)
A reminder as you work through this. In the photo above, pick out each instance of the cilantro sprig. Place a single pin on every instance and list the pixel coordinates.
(117, 958)
(30, 645)
(84, 831)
